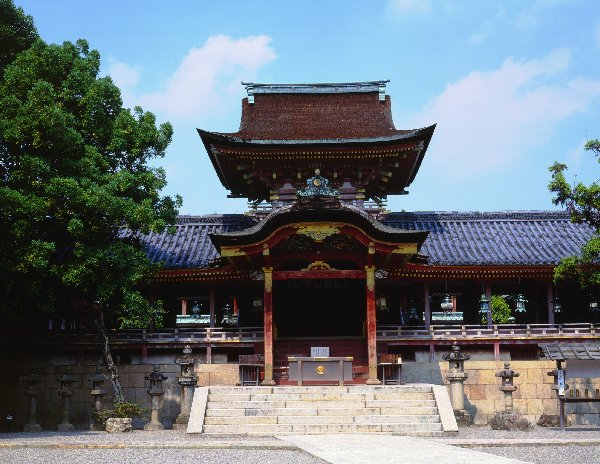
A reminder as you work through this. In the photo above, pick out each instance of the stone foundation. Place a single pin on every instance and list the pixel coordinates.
(533, 397)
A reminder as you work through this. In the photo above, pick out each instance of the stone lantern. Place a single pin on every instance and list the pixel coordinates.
(156, 391)
(66, 392)
(98, 393)
(32, 392)
(507, 375)
(187, 380)
(457, 376)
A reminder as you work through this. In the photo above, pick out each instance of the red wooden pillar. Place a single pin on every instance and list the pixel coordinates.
(426, 306)
(183, 306)
(211, 305)
(371, 327)
(268, 329)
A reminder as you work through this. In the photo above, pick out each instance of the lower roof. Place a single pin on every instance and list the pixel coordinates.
(506, 238)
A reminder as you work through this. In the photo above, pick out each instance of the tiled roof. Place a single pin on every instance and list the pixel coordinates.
(526, 238)
(495, 238)
(314, 116)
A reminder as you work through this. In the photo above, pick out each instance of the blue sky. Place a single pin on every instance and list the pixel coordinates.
(512, 85)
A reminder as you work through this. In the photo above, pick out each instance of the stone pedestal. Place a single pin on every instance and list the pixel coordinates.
(66, 393)
(507, 387)
(32, 392)
(187, 380)
(156, 391)
(98, 393)
(457, 376)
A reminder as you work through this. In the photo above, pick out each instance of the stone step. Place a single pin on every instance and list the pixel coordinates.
(321, 420)
(274, 429)
(422, 388)
(238, 412)
(316, 404)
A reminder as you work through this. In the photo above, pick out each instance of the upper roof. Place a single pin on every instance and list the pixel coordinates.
(511, 238)
(354, 110)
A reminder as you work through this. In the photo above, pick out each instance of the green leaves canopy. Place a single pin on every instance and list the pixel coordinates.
(76, 187)
(583, 203)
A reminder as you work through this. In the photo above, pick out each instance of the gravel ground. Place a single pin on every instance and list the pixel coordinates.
(537, 453)
(572, 454)
(571, 433)
(154, 456)
(177, 446)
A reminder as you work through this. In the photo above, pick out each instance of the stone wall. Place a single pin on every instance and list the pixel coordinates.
(533, 397)
(14, 402)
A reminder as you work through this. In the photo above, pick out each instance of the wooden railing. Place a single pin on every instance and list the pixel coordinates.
(499, 331)
(204, 334)
(127, 336)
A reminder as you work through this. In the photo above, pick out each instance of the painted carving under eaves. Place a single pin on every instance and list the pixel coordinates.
(317, 186)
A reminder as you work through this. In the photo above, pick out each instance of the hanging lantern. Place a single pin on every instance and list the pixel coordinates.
(593, 303)
(446, 304)
(556, 306)
(412, 311)
(520, 303)
(484, 305)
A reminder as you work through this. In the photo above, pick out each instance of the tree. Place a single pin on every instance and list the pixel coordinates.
(76, 190)
(583, 203)
(17, 32)
(501, 313)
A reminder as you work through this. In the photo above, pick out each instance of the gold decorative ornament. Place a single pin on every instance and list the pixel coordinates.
(318, 232)
(268, 271)
(320, 370)
(370, 278)
(318, 266)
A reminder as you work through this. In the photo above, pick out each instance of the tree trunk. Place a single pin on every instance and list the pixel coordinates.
(112, 367)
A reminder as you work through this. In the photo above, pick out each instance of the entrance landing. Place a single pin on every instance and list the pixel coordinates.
(415, 410)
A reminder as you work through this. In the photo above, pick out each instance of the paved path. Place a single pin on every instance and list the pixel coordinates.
(363, 449)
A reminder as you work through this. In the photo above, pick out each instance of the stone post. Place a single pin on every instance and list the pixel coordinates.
(457, 376)
(560, 419)
(66, 380)
(97, 393)
(156, 391)
(32, 392)
(509, 419)
(187, 380)
(507, 375)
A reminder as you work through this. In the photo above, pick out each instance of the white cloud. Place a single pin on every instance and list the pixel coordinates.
(487, 120)
(123, 75)
(206, 75)
(404, 7)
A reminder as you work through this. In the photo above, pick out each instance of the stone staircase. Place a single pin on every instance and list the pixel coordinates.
(417, 410)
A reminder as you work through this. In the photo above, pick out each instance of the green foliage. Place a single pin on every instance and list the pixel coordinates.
(76, 187)
(122, 409)
(501, 312)
(583, 203)
(17, 32)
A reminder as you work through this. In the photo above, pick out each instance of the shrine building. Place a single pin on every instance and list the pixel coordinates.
(319, 266)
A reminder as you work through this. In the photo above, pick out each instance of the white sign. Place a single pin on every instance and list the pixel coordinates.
(319, 351)
(560, 378)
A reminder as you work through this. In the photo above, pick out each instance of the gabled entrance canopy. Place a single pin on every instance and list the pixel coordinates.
(318, 234)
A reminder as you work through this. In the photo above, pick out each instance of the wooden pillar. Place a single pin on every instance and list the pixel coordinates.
(371, 327)
(268, 328)
(488, 296)
(496, 351)
(209, 354)
(550, 301)
(183, 306)
(426, 306)
(211, 305)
